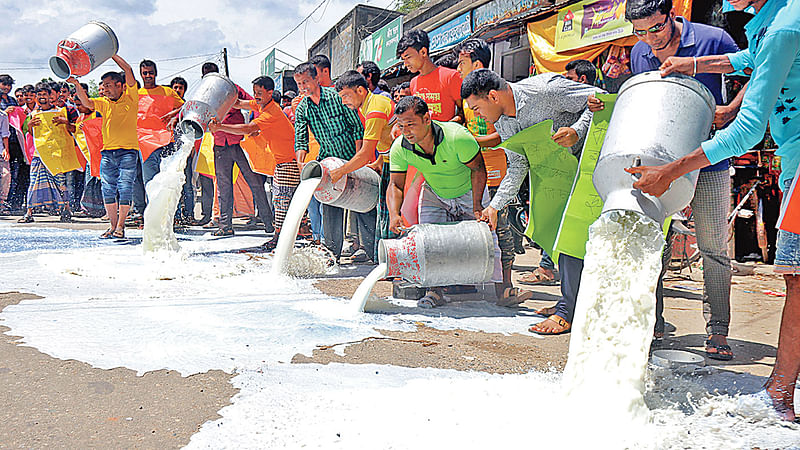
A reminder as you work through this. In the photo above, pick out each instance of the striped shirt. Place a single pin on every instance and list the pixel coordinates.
(335, 126)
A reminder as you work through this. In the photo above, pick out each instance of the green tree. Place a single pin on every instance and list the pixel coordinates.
(406, 6)
(94, 90)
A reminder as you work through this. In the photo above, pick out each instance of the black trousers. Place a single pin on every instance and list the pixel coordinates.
(225, 156)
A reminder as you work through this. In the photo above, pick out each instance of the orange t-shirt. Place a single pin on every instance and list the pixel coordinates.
(441, 90)
(276, 130)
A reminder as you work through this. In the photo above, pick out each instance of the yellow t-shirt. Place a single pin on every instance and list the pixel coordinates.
(377, 112)
(119, 119)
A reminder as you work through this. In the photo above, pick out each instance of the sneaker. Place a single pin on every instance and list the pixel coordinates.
(348, 249)
(359, 256)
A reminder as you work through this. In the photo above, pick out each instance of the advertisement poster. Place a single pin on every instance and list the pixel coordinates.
(591, 22)
(451, 33)
(381, 45)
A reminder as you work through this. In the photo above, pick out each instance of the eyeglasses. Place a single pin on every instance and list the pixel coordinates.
(653, 29)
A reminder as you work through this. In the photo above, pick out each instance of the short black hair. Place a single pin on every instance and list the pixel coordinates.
(276, 96)
(42, 86)
(210, 67)
(416, 39)
(307, 68)
(85, 87)
(477, 50)
(28, 88)
(115, 77)
(405, 85)
(383, 85)
(6, 79)
(448, 60)
(321, 61)
(583, 67)
(411, 103)
(265, 82)
(371, 69)
(642, 9)
(179, 80)
(64, 85)
(55, 86)
(148, 63)
(480, 82)
(351, 80)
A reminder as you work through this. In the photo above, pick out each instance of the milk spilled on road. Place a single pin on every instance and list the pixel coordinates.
(291, 224)
(365, 288)
(604, 378)
(163, 194)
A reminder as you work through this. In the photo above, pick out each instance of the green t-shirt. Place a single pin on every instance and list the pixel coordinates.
(446, 171)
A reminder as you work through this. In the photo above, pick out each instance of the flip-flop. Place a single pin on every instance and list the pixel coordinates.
(431, 299)
(513, 297)
(107, 234)
(538, 278)
(566, 327)
(717, 355)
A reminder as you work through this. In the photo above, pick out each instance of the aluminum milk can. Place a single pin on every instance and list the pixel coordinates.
(212, 98)
(441, 254)
(84, 50)
(655, 121)
(356, 191)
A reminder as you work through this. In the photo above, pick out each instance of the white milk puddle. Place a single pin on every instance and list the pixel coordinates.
(291, 225)
(206, 307)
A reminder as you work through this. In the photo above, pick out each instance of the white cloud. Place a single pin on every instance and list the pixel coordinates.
(163, 29)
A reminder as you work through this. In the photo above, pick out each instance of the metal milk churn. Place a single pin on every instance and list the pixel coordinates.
(356, 191)
(212, 98)
(441, 254)
(84, 50)
(655, 121)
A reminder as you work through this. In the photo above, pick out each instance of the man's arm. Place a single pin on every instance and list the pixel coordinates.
(300, 133)
(362, 157)
(725, 113)
(692, 66)
(394, 200)
(83, 97)
(518, 168)
(242, 129)
(573, 97)
(130, 79)
(490, 140)
(478, 179)
(5, 156)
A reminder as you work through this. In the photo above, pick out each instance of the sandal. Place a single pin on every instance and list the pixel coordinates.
(565, 326)
(539, 277)
(721, 352)
(270, 245)
(25, 219)
(222, 232)
(431, 299)
(118, 233)
(513, 297)
(107, 234)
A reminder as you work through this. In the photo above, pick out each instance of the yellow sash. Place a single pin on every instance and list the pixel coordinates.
(54, 144)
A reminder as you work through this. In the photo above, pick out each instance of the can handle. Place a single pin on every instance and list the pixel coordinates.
(636, 163)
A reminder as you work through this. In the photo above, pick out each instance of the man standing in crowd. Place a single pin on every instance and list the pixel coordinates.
(338, 131)
(773, 56)
(376, 111)
(513, 107)
(662, 35)
(438, 86)
(179, 85)
(18, 164)
(278, 133)
(474, 54)
(186, 207)
(157, 106)
(228, 152)
(118, 109)
(455, 178)
(372, 73)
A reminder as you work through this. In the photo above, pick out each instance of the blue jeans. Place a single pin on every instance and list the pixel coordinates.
(150, 167)
(315, 216)
(787, 253)
(117, 172)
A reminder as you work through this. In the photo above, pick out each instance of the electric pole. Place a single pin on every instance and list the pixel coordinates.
(225, 61)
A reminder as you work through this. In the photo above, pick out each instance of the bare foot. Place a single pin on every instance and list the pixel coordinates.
(546, 312)
(782, 399)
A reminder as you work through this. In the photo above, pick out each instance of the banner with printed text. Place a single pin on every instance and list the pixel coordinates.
(380, 46)
(591, 22)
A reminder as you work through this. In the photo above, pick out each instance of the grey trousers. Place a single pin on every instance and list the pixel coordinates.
(224, 158)
(710, 208)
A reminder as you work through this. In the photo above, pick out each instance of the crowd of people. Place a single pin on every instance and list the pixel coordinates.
(446, 125)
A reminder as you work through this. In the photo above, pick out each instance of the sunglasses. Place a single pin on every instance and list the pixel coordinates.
(653, 29)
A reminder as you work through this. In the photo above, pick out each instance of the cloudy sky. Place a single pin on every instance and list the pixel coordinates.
(165, 29)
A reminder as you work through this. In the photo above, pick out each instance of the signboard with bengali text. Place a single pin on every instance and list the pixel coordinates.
(451, 33)
(381, 45)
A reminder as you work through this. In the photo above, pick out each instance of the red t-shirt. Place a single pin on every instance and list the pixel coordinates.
(441, 90)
